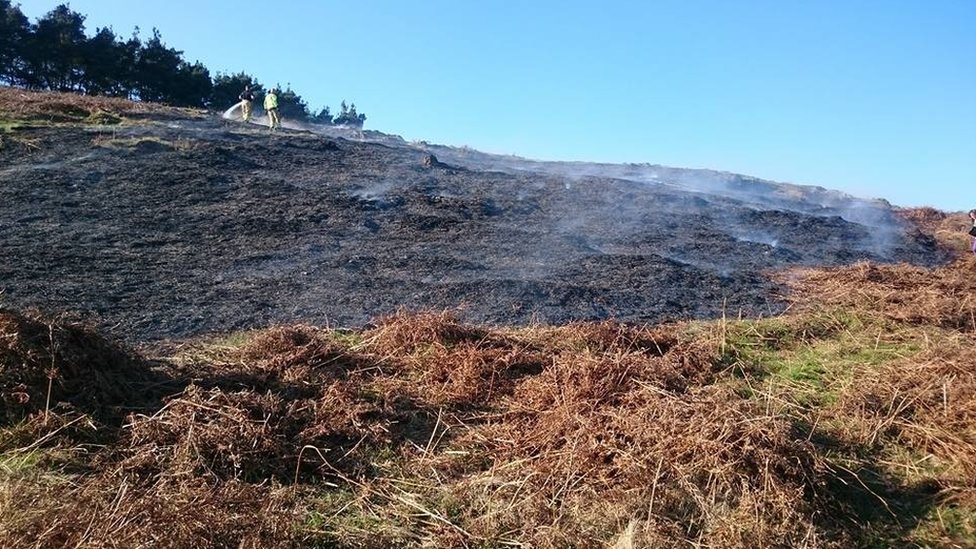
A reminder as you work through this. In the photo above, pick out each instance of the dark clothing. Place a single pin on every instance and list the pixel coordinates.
(246, 96)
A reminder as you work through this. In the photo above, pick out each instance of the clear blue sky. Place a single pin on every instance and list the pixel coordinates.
(876, 98)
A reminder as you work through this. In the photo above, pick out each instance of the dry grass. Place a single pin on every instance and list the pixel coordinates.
(56, 107)
(22, 110)
(117, 510)
(695, 463)
(57, 363)
(949, 229)
(848, 422)
(928, 403)
(146, 144)
(943, 296)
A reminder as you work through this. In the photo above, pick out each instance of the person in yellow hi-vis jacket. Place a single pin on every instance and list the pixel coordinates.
(271, 105)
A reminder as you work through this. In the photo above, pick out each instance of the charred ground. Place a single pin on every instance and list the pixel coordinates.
(168, 224)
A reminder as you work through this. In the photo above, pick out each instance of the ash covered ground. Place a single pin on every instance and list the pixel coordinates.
(176, 227)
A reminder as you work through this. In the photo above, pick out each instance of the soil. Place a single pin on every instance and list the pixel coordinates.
(173, 227)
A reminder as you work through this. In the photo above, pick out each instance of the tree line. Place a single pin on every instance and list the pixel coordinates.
(55, 53)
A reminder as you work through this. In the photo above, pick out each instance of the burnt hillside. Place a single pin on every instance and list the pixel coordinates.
(168, 225)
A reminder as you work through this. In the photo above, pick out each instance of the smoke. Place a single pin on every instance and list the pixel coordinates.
(701, 189)
(757, 237)
(744, 208)
(372, 191)
(882, 229)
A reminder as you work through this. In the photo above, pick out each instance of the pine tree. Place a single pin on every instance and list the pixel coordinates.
(156, 67)
(101, 63)
(324, 116)
(55, 51)
(14, 33)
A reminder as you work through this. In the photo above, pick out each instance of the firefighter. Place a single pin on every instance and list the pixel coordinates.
(271, 106)
(247, 98)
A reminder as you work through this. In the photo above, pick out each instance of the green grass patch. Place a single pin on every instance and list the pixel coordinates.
(808, 359)
(216, 350)
(344, 518)
(11, 125)
(347, 338)
(234, 340)
(910, 465)
(103, 118)
(25, 454)
(947, 526)
(17, 463)
(14, 132)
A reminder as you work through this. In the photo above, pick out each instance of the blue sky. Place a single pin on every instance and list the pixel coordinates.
(876, 98)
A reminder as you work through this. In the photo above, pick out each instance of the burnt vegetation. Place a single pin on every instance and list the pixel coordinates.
(165, 222)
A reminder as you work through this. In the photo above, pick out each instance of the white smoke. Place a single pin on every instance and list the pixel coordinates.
(371, 191)
(756, 237)
(710, 187)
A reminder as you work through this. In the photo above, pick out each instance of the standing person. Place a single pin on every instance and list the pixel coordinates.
(246, 97)
(271, 105)
(972, 231)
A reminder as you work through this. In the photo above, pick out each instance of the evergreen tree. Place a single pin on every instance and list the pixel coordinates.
(340, 119)
(349, 117)
(157, 66)
(14, 33)
(358, 117)
(102, 64)
(55, 51)
(324, 116)
(191, 86)
(127, 76)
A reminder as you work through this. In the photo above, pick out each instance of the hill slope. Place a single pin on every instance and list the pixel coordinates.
(169, 224)
(849, 420)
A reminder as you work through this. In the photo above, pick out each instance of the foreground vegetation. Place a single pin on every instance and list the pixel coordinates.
(848, 421)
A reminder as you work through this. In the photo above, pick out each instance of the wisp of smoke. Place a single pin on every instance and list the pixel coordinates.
(883, 229)
(371, 191)
(756, 237)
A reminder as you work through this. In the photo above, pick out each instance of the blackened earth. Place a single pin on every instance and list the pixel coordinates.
(172, 228)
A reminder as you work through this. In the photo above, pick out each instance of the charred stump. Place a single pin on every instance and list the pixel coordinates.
(430, 161)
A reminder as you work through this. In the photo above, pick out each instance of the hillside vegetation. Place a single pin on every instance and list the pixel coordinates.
(850, 420)
(56, 54)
